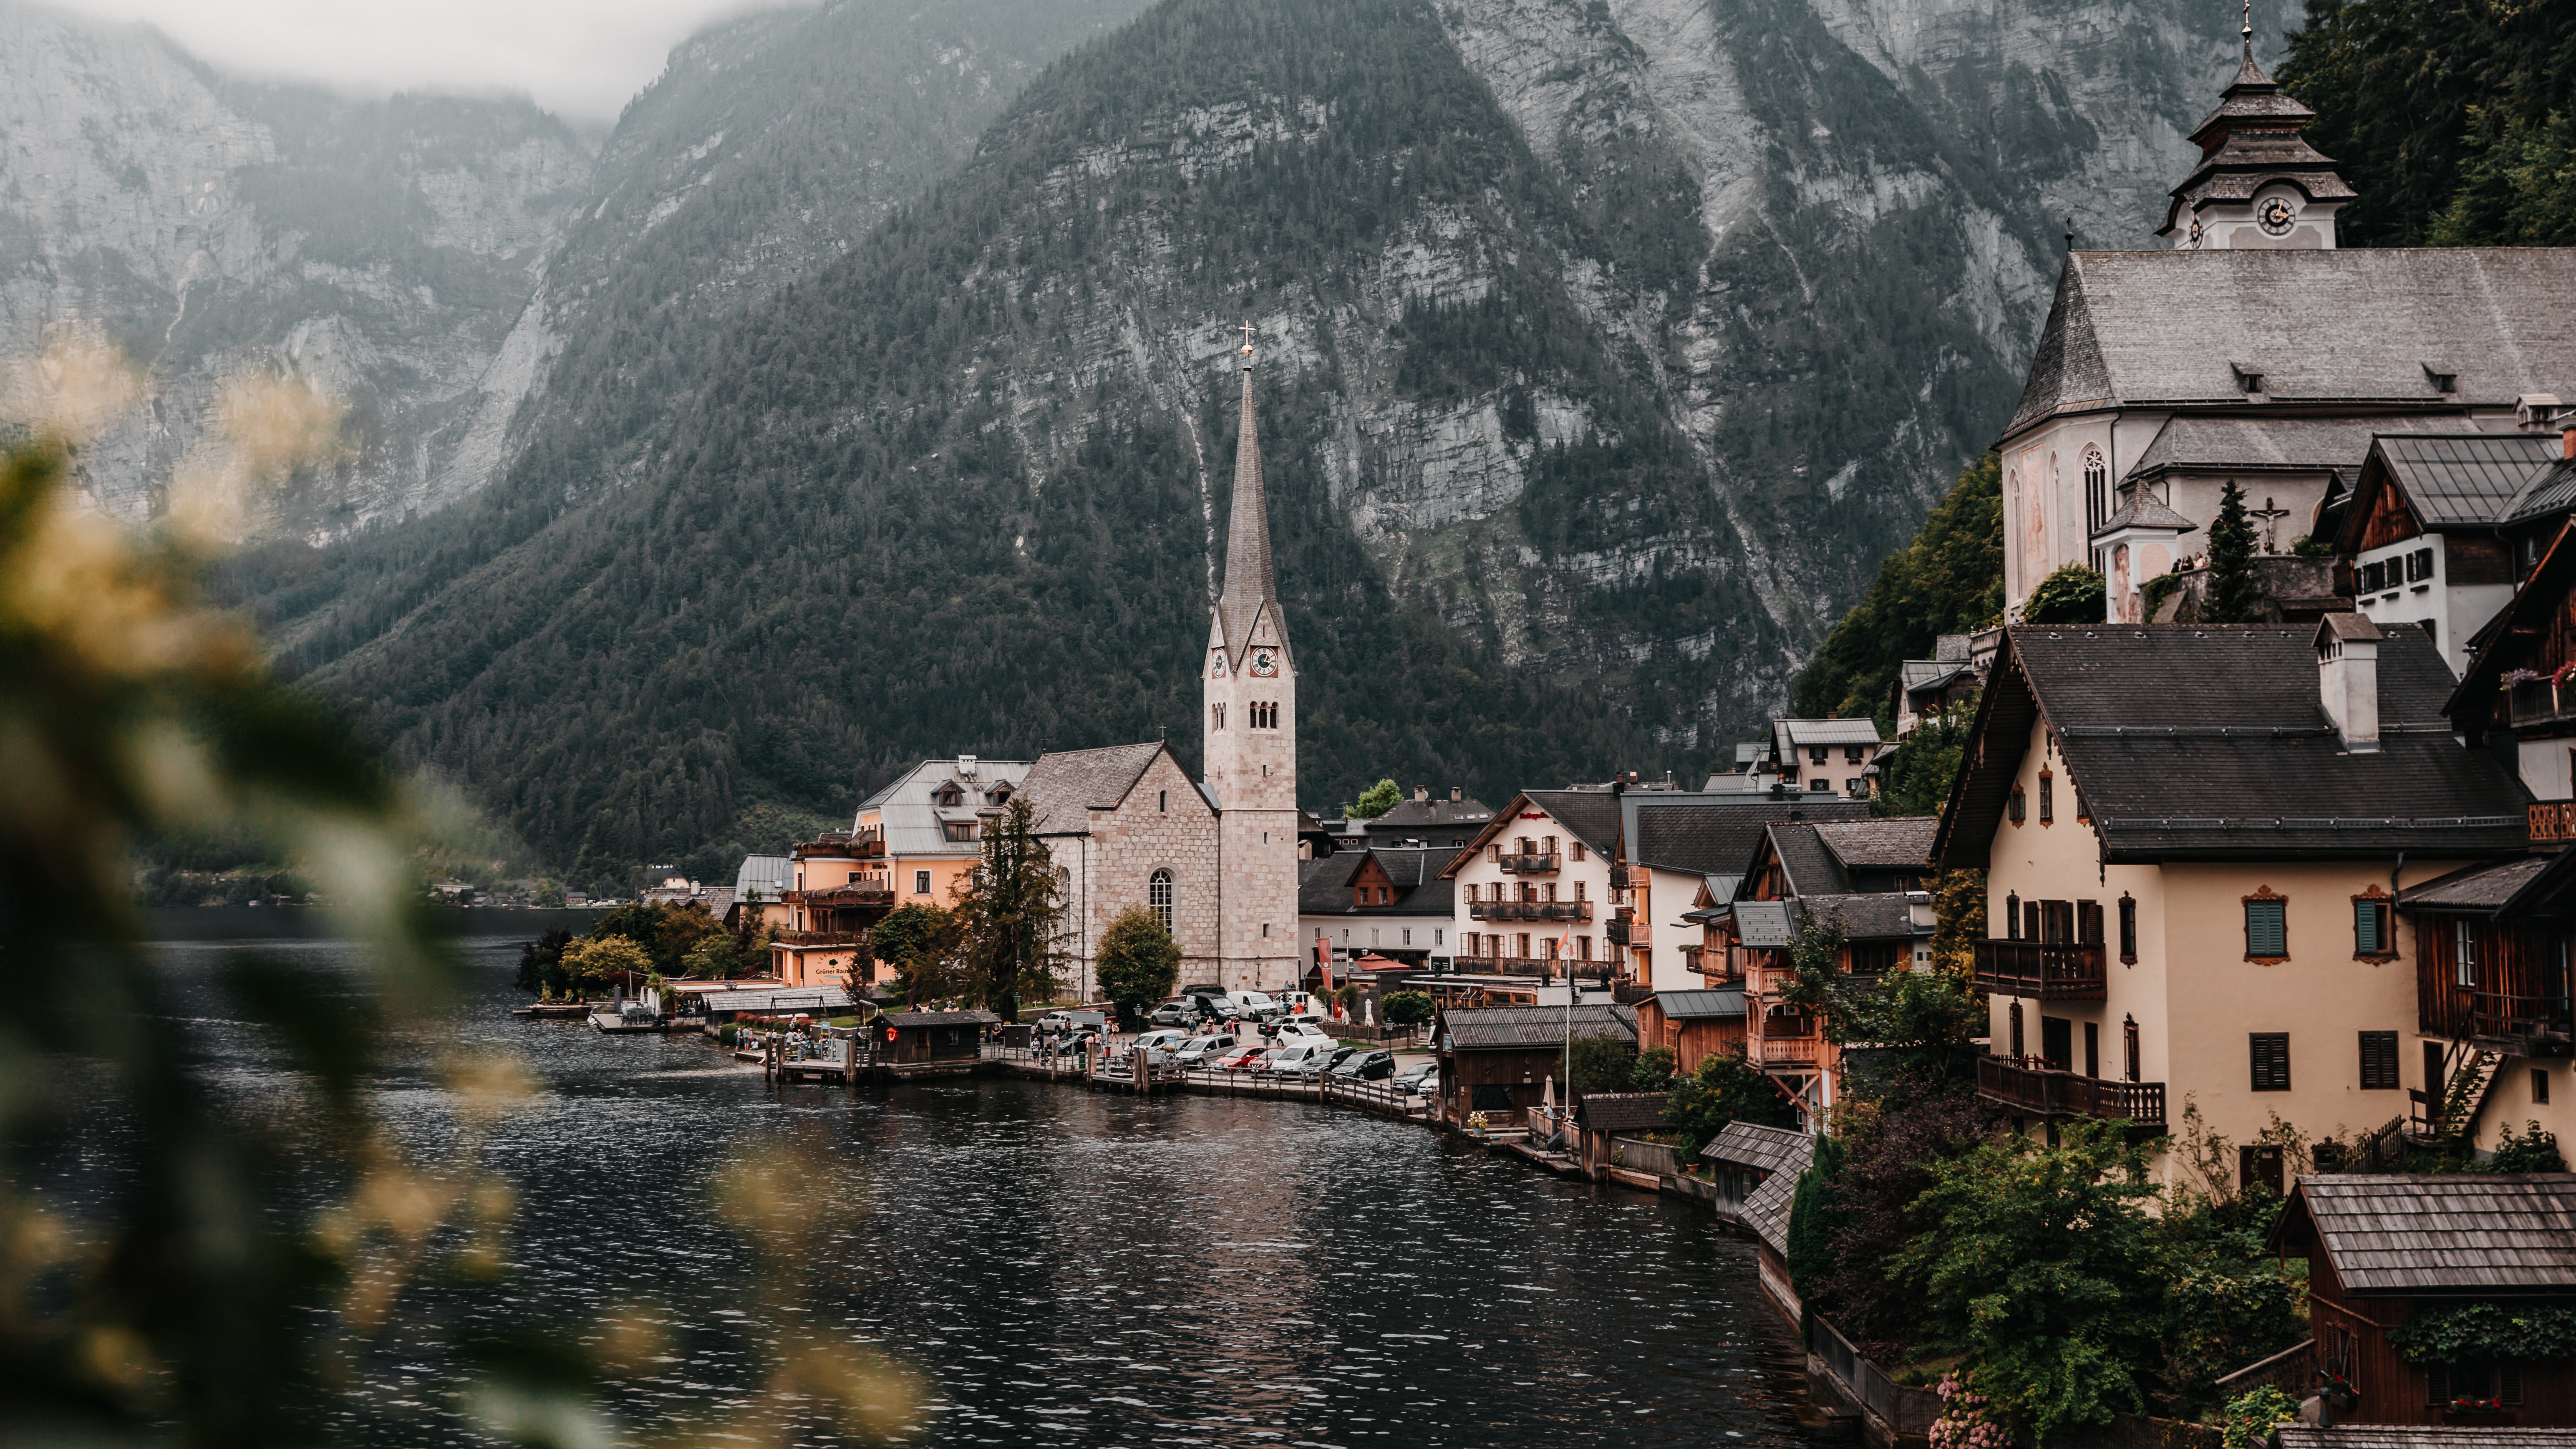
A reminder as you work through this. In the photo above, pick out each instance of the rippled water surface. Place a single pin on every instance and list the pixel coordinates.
(1059, 1267)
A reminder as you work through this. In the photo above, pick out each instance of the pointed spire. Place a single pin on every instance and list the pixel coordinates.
(1248, 582)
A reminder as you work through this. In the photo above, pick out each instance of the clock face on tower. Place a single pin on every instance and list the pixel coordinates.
(2275, 216)
(1265, 663)
(1216, 667)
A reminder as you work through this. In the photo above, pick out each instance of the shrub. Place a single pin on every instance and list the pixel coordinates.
(2072, 595)
(1654, 1070)
(1406, 1008)
(2251, 1415)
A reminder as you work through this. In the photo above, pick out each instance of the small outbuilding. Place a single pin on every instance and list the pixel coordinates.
(2440, 1300)
(928, 1043)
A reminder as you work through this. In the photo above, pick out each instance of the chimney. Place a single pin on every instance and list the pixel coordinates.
(2348, 679)
(1457, 792)
(966, 766)
(2567, 434)
(1421, 793)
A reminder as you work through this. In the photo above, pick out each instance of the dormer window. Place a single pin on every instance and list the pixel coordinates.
(950, 796)
(999, 795)
(2443, 377)
(2249, 376)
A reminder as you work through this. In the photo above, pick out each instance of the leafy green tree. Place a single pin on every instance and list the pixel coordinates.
(2235, 596)
(1920, 773)
(666, 930)
(541, 962)
(723, 955)
(1139, 962)
(2071, 595)
(1890, 1150)
(1950, 580)
(1654, 1071)
(1726, 1088)
(2038, 1268)
(1920, 1026)
(1405, 1008)
(1376, 800)
(1011, 916)
(1600, 1063)
(920, 941)
(2534, 1151)
(602, 960)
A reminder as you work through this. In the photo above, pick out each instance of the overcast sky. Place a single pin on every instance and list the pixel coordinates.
(581, 58)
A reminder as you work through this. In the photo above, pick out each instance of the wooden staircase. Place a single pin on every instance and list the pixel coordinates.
(2469, 1074)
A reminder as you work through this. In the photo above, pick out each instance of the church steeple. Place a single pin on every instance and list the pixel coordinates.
(2259, 183)
(1249, 587)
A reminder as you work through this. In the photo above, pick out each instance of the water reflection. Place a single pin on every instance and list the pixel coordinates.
(1060, 1267)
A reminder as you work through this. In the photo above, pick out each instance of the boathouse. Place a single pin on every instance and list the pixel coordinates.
(1757, 1177)
(2414, 1286)
(1498, 1059)
(1603, 1118)
(917, 1043)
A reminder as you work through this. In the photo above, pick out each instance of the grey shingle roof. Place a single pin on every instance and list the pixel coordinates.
(2136, 327)
(762, 1000)
(1716, 837)
(2190, 443)
(1810, 868)
(1858, 731)
(2475, 1233)
(1899, 844)
(1434, 814)
(1766, 1208)
(2421, 1436)
(1065, 784)
(1324, 883)
(1722, 1004)
(939, 1018)
(2478, 888)
(1877, 916)
(2211, 742)
(1591, 815)
(2465, 478)
(1768, 1149)
(1622, 1111)
(1490, 1028)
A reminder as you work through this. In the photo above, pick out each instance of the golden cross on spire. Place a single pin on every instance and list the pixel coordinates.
(1247, 333)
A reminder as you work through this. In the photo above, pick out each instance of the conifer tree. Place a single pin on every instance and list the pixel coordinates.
(1012, 915)
(2234, 596)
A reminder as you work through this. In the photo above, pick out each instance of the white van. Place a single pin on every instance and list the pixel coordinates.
(1251, 1004)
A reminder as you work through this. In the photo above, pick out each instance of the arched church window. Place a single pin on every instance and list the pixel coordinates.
(1158, 894)
(2097, 487)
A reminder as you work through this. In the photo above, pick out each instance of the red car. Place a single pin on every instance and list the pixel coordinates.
(1242, 1059)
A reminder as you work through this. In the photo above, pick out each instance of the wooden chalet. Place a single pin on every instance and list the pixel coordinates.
(928, 1043)
(1692, 1025)
(1498, 1059)
(841, 887)
(2384, 1250)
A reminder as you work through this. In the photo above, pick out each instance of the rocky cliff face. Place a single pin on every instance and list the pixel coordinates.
(1609, 344)
(379, 250)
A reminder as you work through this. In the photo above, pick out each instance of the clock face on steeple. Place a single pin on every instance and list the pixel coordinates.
(1265, 663)
(1216, 666)
(2275, 215)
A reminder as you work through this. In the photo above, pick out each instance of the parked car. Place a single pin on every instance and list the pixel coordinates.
(1069, 1020)
(1202, 1050)
(1422, 1078)
(1302, 1059)
(1294, 1030)
(1175, 1013)
(1241, 1058)
(1367, 1066)
(1341, 1055)
(1160, 1046)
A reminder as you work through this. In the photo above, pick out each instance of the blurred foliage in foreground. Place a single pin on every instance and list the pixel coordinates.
(202, 1302)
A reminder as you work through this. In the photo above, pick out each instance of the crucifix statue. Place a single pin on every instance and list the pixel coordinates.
(2271, 514)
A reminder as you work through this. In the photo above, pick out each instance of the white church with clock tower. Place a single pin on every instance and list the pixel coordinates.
(1216, 858)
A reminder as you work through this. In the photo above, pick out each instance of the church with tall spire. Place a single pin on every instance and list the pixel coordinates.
(1214, 858)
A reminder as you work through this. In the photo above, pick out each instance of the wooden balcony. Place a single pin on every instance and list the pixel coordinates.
(2552, 823)
(2041, 971)
(1530, 910)
(2030, 1087)
(2521, 1025)
(1531, 864)
(820, 938)
(1786, 1051)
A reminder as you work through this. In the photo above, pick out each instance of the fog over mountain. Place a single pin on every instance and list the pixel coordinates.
(861, 399)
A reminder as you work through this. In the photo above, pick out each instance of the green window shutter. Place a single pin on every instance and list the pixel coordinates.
(2366, 939)
(2267, 929)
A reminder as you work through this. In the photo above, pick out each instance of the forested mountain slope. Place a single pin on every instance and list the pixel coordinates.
(1606, 347)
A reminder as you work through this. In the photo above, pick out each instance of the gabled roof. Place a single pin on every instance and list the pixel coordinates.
(2477, 889)
(2135, 328)
(1810, 869)
(1704, 835)
(1724, 1004)
(2550, 491)
(2211, 742)
(1622, 1111)
(2451, 480)
(1065, 785)
(1900, 843)
(1871, 916)
(1859, 730)
(1766, 1208)
(1432, 814)
(1765, 1149)
(907, 805)
(2475, 1234)
(2197, 443)
(1324, 883)
(1591, 816)
(768, 874)
(1492, 1028)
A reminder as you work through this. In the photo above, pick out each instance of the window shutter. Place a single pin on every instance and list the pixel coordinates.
(2128, 928)
(2379, 1061)
(2271, 1060)
(2369, 929)
(2267, 930)
(2088, 922)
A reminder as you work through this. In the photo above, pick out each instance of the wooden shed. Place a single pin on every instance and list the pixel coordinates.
(2385, 1250)
(1601, 1117)
(1498, 1059)
(1692, 1025)
(1757, 1178)
(919, 1043)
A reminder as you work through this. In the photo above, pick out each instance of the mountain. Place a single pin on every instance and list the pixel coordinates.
(382, 250)
(1606, 349)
